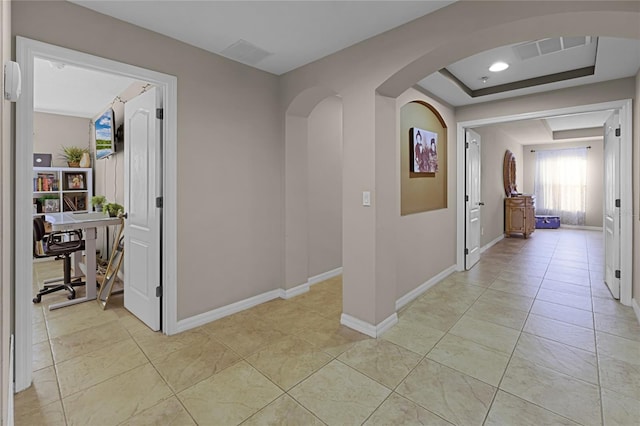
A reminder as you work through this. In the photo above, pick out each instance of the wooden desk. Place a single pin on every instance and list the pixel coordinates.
(88, 222)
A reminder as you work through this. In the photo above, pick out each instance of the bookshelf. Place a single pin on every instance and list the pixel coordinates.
(62, 189)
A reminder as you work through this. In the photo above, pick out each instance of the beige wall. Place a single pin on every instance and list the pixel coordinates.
(494, 144)
(53, 131)
(422, 192)
(595, 175)
(324, 154)
(425, 242)
(230, 152)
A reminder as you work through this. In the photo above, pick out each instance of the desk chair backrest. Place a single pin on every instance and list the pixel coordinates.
(53, 244)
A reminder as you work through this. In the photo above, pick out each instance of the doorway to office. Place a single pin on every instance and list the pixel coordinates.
(27, 51)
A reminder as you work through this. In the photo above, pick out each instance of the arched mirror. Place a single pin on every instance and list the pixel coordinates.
(509, 174)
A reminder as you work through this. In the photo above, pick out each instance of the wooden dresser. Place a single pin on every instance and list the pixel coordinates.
(519, 215)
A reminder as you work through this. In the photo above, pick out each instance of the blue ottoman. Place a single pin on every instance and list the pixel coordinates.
(547, 222)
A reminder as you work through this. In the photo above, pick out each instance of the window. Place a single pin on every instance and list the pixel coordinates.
(561, 184)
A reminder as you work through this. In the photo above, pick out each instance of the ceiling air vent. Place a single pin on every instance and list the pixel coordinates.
(245, 52)
(549, 45)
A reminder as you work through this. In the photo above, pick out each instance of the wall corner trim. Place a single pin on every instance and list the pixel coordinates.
(366, 328)
(636, 308)
(295, 291)
(324, 276)
(415, 293)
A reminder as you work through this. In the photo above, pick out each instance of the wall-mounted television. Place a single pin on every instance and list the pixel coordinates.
(105, 135)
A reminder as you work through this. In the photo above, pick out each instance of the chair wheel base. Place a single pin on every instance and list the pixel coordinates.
(37, 299)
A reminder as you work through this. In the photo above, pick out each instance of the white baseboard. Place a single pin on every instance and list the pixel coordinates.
(491, 244)
(415, 293)
(636, 308)
(215, 314)
(207, 317)
(586, 228)
(295, 291)
(366, 328)
(324, 276)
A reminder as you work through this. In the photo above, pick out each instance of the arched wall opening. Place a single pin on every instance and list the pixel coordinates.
(313, 189)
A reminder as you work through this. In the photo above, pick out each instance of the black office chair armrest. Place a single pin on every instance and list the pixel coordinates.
(75, 243)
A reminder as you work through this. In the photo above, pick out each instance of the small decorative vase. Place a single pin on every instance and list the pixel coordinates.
(85, 161)
(73, 164)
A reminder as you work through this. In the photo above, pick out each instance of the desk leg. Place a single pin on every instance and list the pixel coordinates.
(90, 258)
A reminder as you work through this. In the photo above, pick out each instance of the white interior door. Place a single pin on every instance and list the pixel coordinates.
(143, 224)
(473, 200)
(611, 209)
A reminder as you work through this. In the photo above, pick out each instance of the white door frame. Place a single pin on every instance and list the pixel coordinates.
(626, 179)
(26, 51)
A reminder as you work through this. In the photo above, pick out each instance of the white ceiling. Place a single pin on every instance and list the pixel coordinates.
(278, 36)
(69, 90)
(293, 33)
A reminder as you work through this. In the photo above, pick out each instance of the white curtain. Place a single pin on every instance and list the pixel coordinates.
(561, 184)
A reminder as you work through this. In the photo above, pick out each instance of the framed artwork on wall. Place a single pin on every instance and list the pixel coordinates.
(423, 150)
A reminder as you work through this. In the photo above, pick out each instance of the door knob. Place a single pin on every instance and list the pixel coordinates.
(124, 215)
(481, 203)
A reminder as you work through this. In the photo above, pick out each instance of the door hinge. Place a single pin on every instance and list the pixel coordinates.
(618, 273)
(159, 291)
(618, 132)
(618, 202)
(159, 202)
(466, 251)
(159, 113)
(466, 144)
(466, 198)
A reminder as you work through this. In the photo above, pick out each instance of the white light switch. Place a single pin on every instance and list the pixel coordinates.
(366, 198)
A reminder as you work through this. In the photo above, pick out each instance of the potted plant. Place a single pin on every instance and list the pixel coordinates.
(73, 155)
(97, 201)
(113, 209)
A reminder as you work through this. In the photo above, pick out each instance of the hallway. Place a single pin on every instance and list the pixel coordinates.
(530, 335)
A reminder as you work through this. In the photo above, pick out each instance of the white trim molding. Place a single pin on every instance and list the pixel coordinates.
(366, 328)
(417, 292)
(491, 243)
(224, 311)
(582, 227)
(295, 291)
(324, 276)
(636, 309)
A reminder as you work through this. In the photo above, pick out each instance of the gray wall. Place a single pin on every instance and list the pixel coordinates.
(324, 154)
(53, 131)
(494, 144)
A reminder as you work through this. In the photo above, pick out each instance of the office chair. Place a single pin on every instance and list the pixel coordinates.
(54, 244)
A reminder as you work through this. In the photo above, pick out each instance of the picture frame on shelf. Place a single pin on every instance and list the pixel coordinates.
(51, 205)
(76, 181)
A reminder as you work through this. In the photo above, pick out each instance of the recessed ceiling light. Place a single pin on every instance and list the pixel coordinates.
(498, 66)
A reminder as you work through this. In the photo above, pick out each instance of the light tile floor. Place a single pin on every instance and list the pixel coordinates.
(529, 336)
